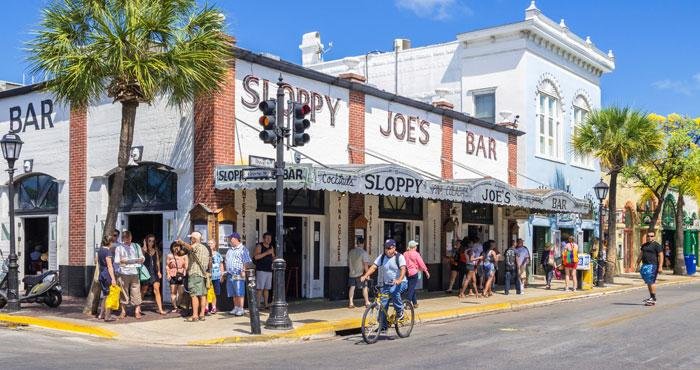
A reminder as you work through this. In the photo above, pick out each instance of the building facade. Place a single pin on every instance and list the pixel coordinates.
(536, 75)
(379, 165)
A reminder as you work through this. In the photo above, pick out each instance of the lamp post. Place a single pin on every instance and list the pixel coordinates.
(601, 191)
(11, 148)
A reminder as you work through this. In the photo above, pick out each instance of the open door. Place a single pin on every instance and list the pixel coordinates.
(313, 257)
(169, 235)
(53, 234)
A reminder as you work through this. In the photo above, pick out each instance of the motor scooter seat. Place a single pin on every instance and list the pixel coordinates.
(31, 280)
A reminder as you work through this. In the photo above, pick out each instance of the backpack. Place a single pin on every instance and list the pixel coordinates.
(568, 255)
(509, 259)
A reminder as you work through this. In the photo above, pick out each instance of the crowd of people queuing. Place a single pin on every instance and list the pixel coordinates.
(196, 273)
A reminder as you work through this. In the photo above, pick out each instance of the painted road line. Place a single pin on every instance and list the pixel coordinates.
(59, 325)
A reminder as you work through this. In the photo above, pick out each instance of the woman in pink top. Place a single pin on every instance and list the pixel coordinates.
(176, 270)
(414, 265)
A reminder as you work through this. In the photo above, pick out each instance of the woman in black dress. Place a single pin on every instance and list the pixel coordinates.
(152, 263)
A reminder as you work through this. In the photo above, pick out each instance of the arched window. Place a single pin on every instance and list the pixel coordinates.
(36, 193)
(549, 121)
(581, 111)
(148, 187)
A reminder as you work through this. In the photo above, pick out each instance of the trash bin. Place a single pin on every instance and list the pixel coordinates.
(690, 264)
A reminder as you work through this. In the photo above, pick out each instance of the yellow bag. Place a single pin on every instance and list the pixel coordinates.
(211, 295)
(112, 300)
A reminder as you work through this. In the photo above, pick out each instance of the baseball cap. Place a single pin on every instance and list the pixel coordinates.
(412, 244)
(195, 234)
(235, 235)
(389, 243)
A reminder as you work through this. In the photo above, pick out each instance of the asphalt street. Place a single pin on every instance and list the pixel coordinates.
(610, 332)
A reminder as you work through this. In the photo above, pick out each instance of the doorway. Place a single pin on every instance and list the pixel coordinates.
(36, 245)
(539, 239)
(141, 225)
(293, 252)
(669, 236)
(396, 230)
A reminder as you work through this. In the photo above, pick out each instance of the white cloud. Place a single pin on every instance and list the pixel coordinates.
(434, 9)
(683, 87)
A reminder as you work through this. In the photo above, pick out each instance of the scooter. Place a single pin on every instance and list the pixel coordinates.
(45, 288)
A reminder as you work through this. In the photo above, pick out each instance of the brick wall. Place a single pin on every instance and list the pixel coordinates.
(357, 127)
(214, 143)
(447, 148)
(512, 160)
(77, 188)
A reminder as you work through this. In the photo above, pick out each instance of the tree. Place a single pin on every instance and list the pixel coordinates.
(133, 51)
(616, 137)
(674, 166)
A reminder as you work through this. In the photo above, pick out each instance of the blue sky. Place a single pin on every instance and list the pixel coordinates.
(655, 42)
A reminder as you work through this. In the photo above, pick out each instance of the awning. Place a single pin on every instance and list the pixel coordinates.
(393, 180)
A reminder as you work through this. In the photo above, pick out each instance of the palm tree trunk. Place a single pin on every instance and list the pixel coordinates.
(659, 207)
(611, 263)
(126, 138)
(679, 266)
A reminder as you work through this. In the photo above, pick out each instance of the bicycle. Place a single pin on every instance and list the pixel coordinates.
(371, 325)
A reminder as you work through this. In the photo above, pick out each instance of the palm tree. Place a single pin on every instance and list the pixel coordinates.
(132, 51)
(616, 137)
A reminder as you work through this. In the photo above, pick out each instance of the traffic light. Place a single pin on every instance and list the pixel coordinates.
(300, 124)
(268, 121)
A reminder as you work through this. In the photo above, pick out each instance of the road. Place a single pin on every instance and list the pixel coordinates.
(611, 332)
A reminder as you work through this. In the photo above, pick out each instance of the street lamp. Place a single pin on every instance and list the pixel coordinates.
(11, 148)
(601, 191)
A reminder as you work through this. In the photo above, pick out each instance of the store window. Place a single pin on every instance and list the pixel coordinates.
(36, 194)
(549, 143)
(485, 107)
(295, 201)
(581, 110)
(400, 208)
(476, 213)
(148, 187)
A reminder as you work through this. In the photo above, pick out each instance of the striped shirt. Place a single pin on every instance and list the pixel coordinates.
(236, 259)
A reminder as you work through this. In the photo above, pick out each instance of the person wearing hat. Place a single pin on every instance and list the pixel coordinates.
(237, 258)
(197, 275)
(414, 266)
(358, 263)
(391, 278)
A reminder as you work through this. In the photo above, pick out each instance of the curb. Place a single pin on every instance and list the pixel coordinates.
(58, 325)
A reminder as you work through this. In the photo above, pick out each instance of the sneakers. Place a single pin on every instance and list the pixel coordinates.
(400, 317)
(233, 311)
(649, 301)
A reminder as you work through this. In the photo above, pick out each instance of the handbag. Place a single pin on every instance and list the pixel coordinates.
(144, 274)
(112, 300)
(179, 278)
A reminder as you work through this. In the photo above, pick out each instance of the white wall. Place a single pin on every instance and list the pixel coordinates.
(422, 155)
(328, 143)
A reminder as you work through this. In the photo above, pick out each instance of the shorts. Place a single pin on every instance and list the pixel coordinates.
(470, 267)
(196, 286)
(454, 267)
(357, 283)
(131, 288)
(570, 266)
(648, 272)
(235, 288)
(489, 270)
(263, 280)
(217, 286)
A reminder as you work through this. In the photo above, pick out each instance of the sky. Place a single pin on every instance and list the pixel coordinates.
(656, 43)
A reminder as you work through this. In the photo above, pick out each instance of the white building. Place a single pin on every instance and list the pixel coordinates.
(536, 75)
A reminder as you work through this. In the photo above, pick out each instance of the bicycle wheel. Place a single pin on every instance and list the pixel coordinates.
(404, 327)
(370, 323)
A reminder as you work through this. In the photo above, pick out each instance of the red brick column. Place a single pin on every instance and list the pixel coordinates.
(357, 127)
(446, 155)
(77, 187)
(512, 160)
(214, 142)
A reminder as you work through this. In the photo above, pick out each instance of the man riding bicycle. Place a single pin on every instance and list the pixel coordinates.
(391, 279)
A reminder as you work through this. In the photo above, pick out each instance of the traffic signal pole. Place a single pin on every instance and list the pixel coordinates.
(279, 315)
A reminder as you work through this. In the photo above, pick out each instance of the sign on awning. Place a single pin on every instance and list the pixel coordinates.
(392, 180)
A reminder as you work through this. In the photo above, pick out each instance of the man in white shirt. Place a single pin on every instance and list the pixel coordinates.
(129, 257)
(522, 257)
(358, 264)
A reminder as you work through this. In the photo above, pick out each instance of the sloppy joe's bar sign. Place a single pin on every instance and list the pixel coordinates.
(257, 89)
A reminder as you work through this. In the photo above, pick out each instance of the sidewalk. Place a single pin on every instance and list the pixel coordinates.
(311, 319)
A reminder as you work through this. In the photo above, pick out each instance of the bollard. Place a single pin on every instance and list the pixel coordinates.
(252, 302)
